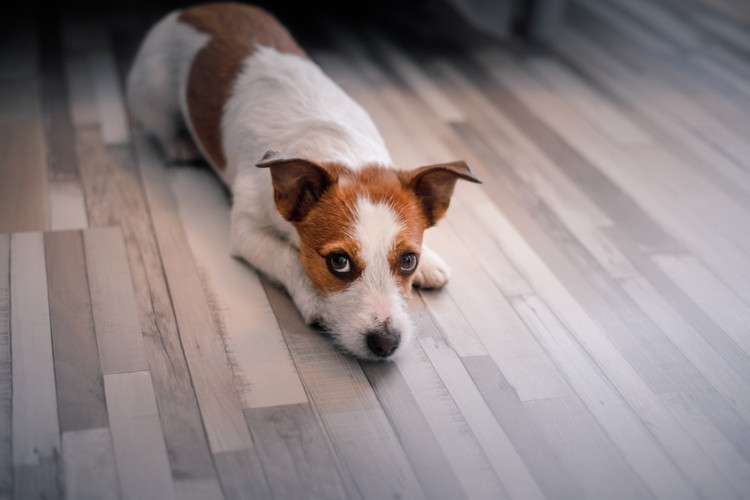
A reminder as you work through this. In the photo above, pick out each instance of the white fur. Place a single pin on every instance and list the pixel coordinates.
(156, 89)
(282, 102)
(374, 298)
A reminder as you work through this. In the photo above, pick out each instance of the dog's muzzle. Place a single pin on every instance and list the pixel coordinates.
(383, 342)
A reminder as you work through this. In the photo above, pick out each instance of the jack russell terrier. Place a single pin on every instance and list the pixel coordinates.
(317, 204)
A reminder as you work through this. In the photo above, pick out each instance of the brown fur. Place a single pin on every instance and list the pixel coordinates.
(329, 224)
(236, 30)
(320, 200)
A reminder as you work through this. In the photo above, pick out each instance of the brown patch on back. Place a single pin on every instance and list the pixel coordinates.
(236, 30)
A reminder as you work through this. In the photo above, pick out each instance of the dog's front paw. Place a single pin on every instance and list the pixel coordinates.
(432, 272)
(310, 306)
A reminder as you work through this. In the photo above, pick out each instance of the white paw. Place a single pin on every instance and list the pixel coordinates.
(432, 272)
(308, 301)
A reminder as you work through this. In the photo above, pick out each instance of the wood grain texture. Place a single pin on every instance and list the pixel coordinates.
(78, 373)
(262, 366)
(88, 459)
(35, 424)
(118, 331)
(711, 295)
(349, 410)
(554, 476)
(67, 206)
(442, 449)
(140, 451)
(503, 457)
(198, 489)
(295, 452)
(36, 428)
(114, 196)
(37, 481)
(6, 461)
(592, 341)
(209, 367)
(241, 475)
(23, 153)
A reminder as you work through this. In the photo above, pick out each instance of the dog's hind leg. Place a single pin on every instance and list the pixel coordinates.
(156, 85)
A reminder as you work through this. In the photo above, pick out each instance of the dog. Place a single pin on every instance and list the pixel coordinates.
(317, 205)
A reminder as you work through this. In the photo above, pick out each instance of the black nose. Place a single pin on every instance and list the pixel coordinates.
(383, 344)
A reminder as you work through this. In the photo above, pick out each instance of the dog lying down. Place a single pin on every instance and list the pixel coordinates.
(317, 204)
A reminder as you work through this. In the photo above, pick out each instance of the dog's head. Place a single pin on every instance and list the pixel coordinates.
(360, 240)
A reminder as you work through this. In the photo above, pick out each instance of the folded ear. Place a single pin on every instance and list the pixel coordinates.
(434, 186)
(297, 184)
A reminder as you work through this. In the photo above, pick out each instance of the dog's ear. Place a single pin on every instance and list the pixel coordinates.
(434, 186)
(297, 184)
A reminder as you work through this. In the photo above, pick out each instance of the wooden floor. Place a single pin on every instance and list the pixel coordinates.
(594, 341)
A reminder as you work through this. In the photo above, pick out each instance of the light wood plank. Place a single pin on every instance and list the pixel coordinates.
(67, 206)
(438, 467)
(23, 186)
(727, 381)
(118, 331)
(454, 424)
(241, 475)
(78, 373)
(88, 460)
(114, 196)
(36, 428)
(660, 201)
(35, 424)
(603, 115)
(709, 293)
(364, 442)
(140, 452)
(209, 367)
(198, 489)
(504, 458)
(6, 437)
(507, 339)
(37, 481)
(263, 369)
(624, 427)
(556, 478)
(295, 452)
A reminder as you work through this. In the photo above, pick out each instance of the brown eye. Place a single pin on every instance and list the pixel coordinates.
(408, 263)
(338, 263)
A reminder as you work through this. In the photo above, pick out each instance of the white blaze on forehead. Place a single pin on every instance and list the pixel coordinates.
(376, 228)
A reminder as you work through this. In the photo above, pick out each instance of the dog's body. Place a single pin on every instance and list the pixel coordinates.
(328, 217)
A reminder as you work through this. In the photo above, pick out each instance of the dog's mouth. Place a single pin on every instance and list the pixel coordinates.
(369, 347)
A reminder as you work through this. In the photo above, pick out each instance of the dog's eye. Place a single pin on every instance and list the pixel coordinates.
(339, 263)
(409, 263)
